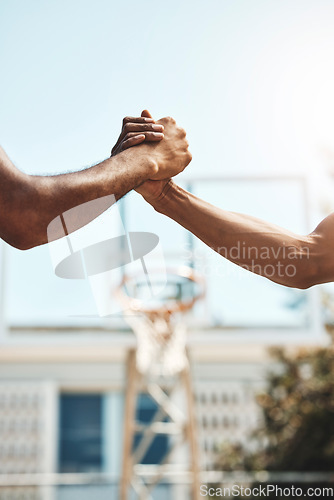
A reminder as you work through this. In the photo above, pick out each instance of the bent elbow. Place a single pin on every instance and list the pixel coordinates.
(25, 245)
(308, 276)
(20, 217)
(18, 241)
(312, 272)
(304, 284)
(308, 268)
(28, 239)
(305, 277)
(21, 232)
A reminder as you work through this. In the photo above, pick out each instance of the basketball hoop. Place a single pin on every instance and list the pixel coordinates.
(158, 366)
(161, 334)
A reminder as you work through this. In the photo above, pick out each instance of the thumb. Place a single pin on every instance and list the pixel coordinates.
(146, 114)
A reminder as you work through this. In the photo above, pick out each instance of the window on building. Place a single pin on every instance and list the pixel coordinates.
(80, 443)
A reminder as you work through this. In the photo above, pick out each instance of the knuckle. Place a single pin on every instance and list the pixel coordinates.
(126, 119)
(127, 127)
(169, 119)
(181, 132)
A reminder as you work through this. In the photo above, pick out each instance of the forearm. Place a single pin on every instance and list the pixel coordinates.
(256, 245)
(34, 201)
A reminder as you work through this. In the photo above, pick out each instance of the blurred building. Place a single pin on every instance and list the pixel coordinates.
(65, 415)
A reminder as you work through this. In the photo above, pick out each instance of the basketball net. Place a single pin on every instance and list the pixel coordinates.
(161, 333)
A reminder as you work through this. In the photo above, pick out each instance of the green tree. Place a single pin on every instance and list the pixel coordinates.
(297, 430)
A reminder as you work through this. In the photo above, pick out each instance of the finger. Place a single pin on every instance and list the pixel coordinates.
(167, 120)
(136, 127)
(182, 132)
(138, 119)
(146, 113)
(149, 136)
(153, 136)
(133, 141)
(188, 158)
(142, 127)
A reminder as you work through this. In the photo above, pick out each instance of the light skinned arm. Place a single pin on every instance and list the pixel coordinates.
(261, 247)
(29, 203)
(258, 246)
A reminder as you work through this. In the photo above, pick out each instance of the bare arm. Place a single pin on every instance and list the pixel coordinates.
(261, 247)
(29, 203)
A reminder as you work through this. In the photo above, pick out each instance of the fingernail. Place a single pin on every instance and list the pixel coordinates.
(148, 120)
(158, 134)
(158, 127)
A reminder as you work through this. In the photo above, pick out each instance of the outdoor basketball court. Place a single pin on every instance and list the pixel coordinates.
(166, 417)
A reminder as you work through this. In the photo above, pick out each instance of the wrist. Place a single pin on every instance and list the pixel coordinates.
(170, 196)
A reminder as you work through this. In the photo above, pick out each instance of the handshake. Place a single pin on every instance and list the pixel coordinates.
(29, 203)
(145, 158)
(162, 147)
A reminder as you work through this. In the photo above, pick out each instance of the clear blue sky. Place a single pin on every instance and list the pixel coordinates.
(251, 81)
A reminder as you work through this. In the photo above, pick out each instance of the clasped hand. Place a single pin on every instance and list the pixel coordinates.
(163, 141)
